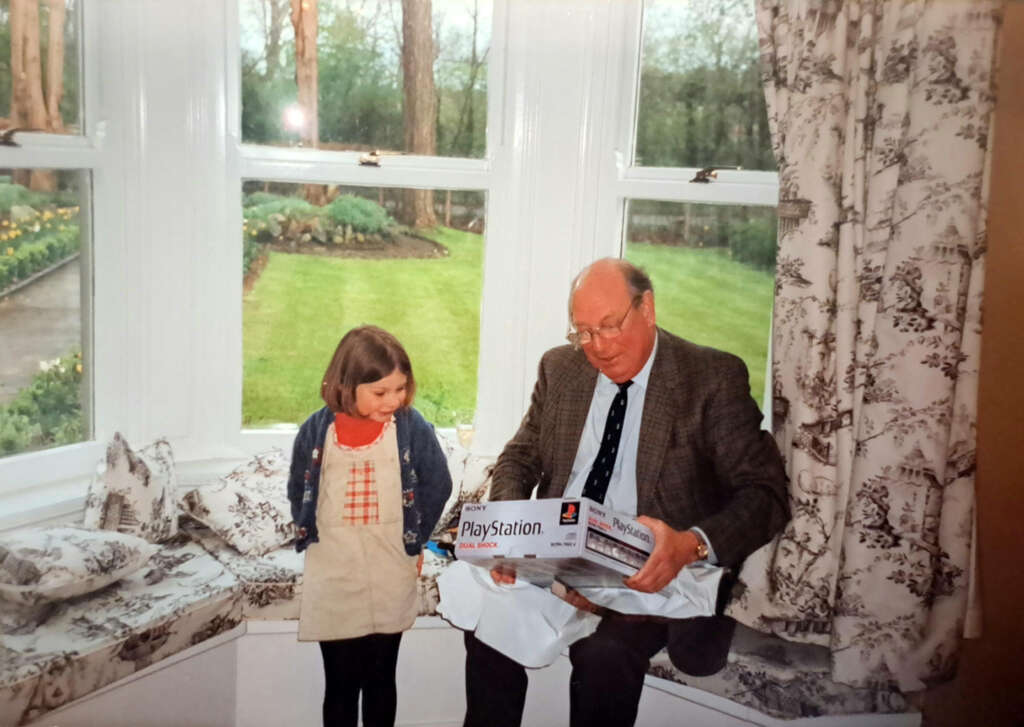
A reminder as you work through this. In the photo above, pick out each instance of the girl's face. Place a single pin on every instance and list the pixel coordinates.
(378, 400)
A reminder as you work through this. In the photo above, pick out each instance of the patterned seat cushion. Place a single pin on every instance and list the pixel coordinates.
(54, 653)
(782, 679)
(271, 583)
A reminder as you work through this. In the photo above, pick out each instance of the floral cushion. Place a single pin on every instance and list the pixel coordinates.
(55, 653)
(249, 507)
(134, 492)
(473, 484)
(51, 564)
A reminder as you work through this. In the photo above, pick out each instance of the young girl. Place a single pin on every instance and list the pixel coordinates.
(367, 484)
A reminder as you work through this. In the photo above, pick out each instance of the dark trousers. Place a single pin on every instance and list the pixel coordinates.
(608, 669)
(365, 664)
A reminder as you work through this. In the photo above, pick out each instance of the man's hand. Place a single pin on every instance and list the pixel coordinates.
(673, 549)
(503, 574)
(573, 598)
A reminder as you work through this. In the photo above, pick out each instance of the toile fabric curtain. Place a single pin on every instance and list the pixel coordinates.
(881, 114)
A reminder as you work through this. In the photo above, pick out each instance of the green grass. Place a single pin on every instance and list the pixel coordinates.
(302, 305)
(707, 298)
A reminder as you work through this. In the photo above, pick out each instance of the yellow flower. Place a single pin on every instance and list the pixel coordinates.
(78, 368)
(10, 251)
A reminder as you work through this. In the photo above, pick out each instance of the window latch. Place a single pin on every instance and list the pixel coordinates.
(707, 174)
(372, 159)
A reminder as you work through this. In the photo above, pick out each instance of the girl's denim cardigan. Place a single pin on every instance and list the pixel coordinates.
(426, 482)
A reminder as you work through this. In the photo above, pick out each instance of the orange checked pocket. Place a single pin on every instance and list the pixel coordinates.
(361, 505)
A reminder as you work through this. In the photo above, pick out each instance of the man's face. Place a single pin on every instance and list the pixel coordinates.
(603, 300)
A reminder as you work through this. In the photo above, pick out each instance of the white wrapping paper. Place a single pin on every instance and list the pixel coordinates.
(533, 626)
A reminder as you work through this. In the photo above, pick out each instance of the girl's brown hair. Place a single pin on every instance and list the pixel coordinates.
(365, 354)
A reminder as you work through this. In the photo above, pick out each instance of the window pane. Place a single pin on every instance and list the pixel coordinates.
(713, 272)
(44, 383)
(349, 92)
(312, 272)
(40, 86)
(701, 100)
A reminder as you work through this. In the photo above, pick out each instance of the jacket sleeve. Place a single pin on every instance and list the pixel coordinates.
(297, 471)
(747, 466)
(519, 466)
(435, 483)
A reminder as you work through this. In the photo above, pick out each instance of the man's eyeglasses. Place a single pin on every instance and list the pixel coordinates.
(581, 337)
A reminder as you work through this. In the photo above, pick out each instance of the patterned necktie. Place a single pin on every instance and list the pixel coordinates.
(601, 473)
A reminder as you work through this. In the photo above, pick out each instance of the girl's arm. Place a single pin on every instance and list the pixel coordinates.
(435, 481)
(297, 472)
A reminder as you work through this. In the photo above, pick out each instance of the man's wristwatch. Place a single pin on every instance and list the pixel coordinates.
(702, 547)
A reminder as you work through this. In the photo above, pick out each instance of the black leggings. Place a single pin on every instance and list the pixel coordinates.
(364, 664)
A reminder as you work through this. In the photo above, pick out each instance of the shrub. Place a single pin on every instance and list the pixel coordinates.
(291, 207)
(48, 411)
(753, 242)
(258, 198)
(12, 195)
(29, 258)
(251, 250)
(362, 215)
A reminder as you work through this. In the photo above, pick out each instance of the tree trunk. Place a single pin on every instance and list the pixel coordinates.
(304, 21)
(420, 102)
(274, 18)
(55, 66)
(28, 107)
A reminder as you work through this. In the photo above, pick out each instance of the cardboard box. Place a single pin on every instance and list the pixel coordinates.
(578, 542)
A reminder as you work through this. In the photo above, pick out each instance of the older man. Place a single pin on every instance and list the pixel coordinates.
(647, 423)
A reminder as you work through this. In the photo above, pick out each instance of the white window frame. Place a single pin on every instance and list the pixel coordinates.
(317, 166)
(57, 470)
(162, 141)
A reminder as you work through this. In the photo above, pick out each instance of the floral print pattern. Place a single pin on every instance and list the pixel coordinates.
(54, 653)
(249, 507)
(51, 564)
(880, 113)
(134, 492)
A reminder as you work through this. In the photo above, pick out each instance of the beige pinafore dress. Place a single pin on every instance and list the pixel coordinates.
(358, 579)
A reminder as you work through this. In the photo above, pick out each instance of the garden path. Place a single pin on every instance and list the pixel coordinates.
(39, 322)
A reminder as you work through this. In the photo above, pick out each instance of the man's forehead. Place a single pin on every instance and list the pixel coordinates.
(596, 304)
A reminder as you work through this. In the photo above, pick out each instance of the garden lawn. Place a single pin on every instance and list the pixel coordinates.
(705, 297)
(302, 305)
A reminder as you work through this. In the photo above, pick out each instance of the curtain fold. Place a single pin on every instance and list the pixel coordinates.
(880, 113)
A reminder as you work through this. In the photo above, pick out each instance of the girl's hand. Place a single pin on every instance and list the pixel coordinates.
(419, 564)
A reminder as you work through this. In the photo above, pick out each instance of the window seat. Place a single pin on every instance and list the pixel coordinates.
(197, 587)
(53, 654)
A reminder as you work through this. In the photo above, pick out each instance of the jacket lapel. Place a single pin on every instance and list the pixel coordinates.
(578, 390)
(656, 422)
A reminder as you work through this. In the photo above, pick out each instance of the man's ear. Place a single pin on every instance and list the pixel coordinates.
(647, 307)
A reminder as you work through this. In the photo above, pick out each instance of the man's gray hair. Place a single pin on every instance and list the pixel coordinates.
(637, 280)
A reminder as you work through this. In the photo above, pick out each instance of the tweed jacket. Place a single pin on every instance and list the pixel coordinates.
(702, 458)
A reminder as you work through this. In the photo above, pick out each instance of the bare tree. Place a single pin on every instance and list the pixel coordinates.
(420, 108)
(304, 21)
(273, 13)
